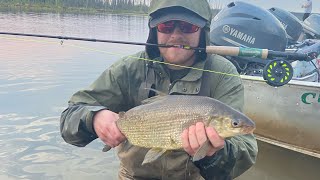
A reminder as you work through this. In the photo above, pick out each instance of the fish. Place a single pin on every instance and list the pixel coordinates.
(160, 120)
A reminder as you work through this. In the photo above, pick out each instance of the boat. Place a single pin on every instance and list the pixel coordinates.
(287, 116)
(287, 120)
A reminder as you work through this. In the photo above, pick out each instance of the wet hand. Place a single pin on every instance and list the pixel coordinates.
(104, 123)
(196, 135)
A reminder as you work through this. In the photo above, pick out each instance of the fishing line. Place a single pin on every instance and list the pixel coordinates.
(277, 72)
(118, 54)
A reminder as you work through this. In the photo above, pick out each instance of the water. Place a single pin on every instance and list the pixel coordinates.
(38, 76)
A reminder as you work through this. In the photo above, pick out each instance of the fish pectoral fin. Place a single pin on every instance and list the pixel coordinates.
(202, 151)
(152, 155)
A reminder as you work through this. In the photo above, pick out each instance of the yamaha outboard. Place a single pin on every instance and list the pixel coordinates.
(311, 26)
(246, 25)
(290, 22)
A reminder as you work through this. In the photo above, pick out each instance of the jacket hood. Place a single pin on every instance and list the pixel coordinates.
(198, 7)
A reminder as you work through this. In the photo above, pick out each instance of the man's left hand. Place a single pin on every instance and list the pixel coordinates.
(196, 135)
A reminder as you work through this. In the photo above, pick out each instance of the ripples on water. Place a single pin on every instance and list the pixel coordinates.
(31, 148)
(38, 76)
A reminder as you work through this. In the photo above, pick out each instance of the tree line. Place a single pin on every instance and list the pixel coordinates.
(102, 5)
(140, 6)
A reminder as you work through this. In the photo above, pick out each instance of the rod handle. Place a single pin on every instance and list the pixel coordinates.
(237, 51)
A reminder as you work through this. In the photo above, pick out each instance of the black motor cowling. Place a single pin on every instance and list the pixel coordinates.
(313, 22)
(290, 22)
(246, 25)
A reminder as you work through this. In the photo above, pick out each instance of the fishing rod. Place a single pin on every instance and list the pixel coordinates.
(277, 72)
(220, 50)
(85, 39)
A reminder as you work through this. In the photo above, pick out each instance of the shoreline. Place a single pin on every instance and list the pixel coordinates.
(65, 10)
(37, 8)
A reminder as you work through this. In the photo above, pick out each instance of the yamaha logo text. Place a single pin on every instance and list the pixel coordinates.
(238, 34)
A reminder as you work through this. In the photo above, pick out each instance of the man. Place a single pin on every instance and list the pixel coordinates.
(92, 113)
(307, 9)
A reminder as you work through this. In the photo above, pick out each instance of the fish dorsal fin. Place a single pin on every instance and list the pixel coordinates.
(121, 114)
(152, 155)
(160, 96)
(152, 99)
(202, 151)
(156, 91)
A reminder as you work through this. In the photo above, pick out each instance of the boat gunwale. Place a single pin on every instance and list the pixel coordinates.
(292, 82)
(288, 146)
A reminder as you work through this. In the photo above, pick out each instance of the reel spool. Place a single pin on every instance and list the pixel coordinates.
(277, 72)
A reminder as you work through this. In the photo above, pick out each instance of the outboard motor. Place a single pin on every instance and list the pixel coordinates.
(311, 26)
(245, 25)
(290, 22)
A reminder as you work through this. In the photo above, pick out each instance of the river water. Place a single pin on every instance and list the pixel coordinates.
(38, 76)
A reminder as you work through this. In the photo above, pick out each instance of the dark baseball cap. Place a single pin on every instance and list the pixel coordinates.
(176, 14)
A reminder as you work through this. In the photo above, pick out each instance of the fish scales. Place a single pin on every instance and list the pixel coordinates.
(160, 123)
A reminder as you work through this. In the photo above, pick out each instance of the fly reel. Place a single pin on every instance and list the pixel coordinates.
(277, 72)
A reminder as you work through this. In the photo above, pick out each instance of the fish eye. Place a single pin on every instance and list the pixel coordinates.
(235, 124)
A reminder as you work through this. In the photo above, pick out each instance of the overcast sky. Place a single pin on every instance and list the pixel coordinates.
(290, 5)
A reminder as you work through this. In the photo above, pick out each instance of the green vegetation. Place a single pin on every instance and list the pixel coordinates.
(77, 6)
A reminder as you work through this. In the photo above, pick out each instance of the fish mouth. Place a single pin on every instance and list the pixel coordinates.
(248, 129)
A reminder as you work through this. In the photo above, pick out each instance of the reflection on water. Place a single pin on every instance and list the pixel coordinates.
(31, 148)
(121, 27)
(38, 76)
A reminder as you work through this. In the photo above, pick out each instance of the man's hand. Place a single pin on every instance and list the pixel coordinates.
(195, 136)
(104, 123)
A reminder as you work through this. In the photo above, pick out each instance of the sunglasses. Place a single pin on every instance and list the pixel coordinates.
(169, 26)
